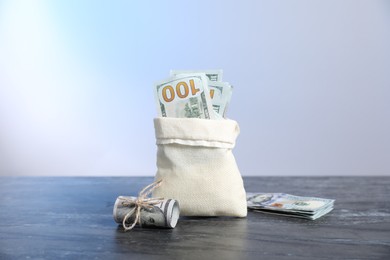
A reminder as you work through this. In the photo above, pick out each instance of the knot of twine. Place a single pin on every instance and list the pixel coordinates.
(141, 202)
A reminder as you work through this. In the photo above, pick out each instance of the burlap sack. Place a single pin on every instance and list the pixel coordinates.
(197, 166)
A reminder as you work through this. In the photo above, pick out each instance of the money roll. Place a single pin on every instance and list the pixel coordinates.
(164, 214)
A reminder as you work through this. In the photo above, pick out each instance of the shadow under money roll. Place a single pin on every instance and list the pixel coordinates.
(164, 214)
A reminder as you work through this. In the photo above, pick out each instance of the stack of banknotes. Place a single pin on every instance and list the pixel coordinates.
(289, 205)
(193, 94)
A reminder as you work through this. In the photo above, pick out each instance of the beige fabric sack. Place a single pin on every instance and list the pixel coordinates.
(197, 166)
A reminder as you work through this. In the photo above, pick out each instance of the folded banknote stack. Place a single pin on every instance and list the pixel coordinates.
(289, 205)
(193, 94)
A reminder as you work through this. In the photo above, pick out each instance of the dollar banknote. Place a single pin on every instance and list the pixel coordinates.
(212, 75)
(164, 214)
(220, 93)
(184, 96)
(289, 205)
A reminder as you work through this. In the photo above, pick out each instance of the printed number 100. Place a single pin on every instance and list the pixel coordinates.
(181, 90)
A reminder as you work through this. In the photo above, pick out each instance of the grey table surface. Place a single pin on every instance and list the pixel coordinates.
(71, 218)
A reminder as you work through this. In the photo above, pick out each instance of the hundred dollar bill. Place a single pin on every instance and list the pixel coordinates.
(164, 214)
(212, 75)
(220, 93)
(290, 205)
(296, 215)
(184, 96)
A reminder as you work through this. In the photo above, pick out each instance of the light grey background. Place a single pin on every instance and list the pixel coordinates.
(312, 82)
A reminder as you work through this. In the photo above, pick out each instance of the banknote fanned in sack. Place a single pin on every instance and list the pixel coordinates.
(194, 145)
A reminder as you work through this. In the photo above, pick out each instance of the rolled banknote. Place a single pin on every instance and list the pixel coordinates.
(184, 96)
(164, 214)
(213, 75)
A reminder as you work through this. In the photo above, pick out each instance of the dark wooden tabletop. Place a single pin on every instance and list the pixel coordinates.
(71, 218)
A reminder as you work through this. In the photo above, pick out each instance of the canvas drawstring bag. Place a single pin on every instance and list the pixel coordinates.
(197, 166)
